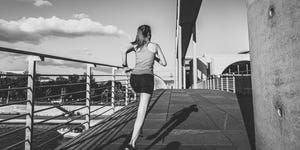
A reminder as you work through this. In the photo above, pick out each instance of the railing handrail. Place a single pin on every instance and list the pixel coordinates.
(227, 82)
(42, 56)
(32, 86)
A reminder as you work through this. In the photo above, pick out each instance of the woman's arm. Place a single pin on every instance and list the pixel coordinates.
(161, 58)
(124, 54)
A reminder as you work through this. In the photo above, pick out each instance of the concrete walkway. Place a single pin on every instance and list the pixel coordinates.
(177, 119)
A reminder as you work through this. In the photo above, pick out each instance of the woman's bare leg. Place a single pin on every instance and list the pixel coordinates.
(144, 100)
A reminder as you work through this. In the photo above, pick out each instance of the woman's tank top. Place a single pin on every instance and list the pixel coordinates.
(144, 61)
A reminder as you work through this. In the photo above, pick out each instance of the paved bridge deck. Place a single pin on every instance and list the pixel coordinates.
(177, 119)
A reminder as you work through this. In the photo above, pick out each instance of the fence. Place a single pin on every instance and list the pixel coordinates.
(116, 92)
(225, 82)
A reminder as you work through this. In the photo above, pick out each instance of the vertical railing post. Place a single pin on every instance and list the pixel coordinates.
(113, 90)
(222, 84)
(126, 90)
(215, 86)
(233, 83)
(134, 96)
(88, 96)
(227, 84)
(210, 83)
(62, 93)
(217, 83)
(30, 103)
(207, 83)
(8, 94)
(213, 82)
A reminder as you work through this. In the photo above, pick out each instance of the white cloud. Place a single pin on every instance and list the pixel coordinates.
(40, 3)
(80, 16)
(13, 61)
(10, 57)
(70, 64)
(34, 30)
(57, 62)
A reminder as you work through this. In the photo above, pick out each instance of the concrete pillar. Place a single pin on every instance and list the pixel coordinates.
(195, 68)
(179, 60)
(176, 47)
(176, 72)
(179, 47)
(274, 35)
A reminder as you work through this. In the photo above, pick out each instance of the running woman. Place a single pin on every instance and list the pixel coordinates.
(142, 76)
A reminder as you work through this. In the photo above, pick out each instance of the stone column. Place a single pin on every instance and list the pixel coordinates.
(274, 35)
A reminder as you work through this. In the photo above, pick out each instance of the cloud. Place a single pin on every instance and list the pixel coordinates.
(13, 61)
(80, 16)
(7, 57)
(62, 63)
(70, 64)
(40, 3)
(12, 55)
(34, 30)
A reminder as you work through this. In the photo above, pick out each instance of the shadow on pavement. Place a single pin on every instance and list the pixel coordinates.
(177, 118)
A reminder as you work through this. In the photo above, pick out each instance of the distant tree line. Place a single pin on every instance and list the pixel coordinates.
(100, 91)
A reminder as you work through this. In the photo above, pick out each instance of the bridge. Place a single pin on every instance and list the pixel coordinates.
(217, 117)
(176, 119)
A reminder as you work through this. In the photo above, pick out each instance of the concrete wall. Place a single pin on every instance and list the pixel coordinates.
(274, 34)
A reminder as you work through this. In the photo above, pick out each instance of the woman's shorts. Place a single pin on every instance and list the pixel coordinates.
(142, 83)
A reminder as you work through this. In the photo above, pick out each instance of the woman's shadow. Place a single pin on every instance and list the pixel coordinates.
(173, 122)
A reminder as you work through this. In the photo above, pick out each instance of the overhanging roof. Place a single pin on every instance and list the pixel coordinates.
(189, 10)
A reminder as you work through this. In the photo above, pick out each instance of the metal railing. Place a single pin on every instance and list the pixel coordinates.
(223, 82)
(96, 100)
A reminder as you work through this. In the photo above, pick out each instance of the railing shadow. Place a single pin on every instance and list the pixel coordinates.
(128, 136)
(102, 131)
(105, 133)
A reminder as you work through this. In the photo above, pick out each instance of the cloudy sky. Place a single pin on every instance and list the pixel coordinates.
(98, 30)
